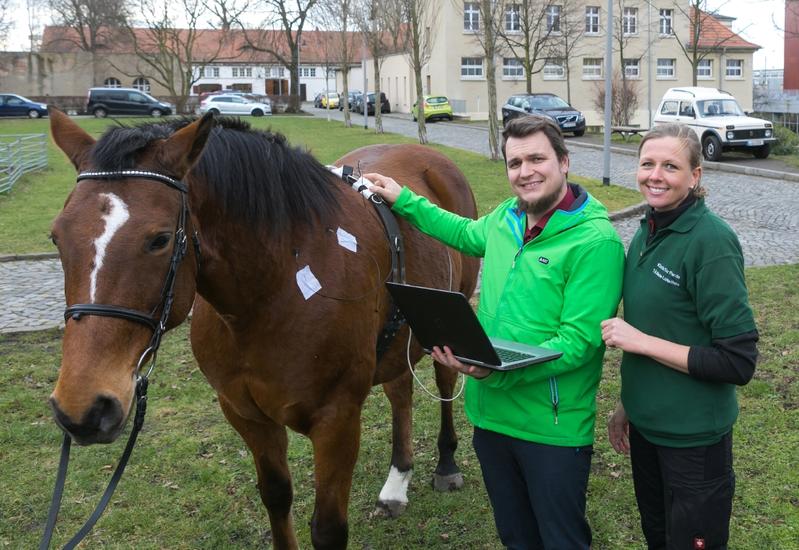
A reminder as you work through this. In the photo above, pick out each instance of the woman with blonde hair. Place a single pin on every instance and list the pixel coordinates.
(688, 337)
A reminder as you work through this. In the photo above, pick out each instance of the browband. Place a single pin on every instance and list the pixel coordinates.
(120, 174)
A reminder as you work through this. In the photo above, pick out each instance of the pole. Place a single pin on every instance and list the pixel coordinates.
(608, 96)
(365, 96)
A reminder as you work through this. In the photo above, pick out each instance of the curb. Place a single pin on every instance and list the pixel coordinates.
(29, 257)
(629, 212)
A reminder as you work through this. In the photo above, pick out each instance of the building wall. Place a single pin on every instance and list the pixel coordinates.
(791, 78)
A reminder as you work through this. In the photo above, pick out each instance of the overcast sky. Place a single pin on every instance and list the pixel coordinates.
(759, 21)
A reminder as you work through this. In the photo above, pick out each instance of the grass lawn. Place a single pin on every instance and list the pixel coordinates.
(28, 210)
(190, 482)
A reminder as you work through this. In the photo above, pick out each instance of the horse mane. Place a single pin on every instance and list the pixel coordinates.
(253, 176)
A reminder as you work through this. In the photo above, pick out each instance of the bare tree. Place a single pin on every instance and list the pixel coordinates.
(624, 99)
(34, 9)
(93, 21)
(337, 14)
(375, 19)
(527, 33)
(285, 44)
(569, 43)
(419, 17)
(5, 21)
(227, 13)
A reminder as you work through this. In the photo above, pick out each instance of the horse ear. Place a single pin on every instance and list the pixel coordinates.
(185, 146)
(70, 137)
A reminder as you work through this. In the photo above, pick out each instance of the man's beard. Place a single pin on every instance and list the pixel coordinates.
(541, 206)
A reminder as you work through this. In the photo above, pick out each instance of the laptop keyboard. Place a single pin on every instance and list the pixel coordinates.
(509, 356)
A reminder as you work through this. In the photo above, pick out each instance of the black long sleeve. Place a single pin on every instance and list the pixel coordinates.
(729, 360)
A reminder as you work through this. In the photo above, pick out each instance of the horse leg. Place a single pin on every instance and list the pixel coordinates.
(268, 443)
(447, 476)
(393, 497)
(336, 440)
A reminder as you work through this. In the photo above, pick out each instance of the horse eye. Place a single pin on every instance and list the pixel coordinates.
(159, 242)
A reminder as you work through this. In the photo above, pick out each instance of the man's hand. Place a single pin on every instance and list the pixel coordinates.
(619, 431)
(384, 186)
(446, 358)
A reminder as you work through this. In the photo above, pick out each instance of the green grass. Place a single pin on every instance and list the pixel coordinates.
(190, 483)
(28, 210)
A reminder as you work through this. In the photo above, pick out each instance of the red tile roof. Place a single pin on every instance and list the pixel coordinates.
(713, 34)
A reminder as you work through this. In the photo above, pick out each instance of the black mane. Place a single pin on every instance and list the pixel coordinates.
(254, 176)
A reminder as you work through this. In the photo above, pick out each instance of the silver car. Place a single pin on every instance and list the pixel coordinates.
(230, 104)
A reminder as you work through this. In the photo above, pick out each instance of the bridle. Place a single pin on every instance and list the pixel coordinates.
(158, 326)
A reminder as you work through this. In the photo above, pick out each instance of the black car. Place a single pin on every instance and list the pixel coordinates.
(16, 105)
(385, 106)
(568, 118)
(352, 97)
(102, 102)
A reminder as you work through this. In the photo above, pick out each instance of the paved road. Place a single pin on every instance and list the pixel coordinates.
(764, 211)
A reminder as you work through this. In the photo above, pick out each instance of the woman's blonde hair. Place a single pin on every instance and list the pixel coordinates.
(689, 141)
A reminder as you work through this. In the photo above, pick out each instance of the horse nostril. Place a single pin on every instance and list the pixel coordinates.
(100, 424)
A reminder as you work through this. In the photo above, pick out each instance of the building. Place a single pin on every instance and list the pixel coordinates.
(791, 77)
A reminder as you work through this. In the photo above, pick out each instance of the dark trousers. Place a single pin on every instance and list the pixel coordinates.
(537, 491)
(684, 495)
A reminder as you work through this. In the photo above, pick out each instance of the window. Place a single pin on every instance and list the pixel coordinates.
(670, 108)
(632, 68)
(704, 69)
(312, 71)
(592, 19)
(629, 21)
(277, 72)
(112, 83)
(471, 67)
(512, 22)
(471, 16)
(554, 69)
(592, 68)
(308, 71)
(512, 68)
(665, 68)
(235, 72)
(201, 72)
(553, 18)
(142, 84)
(246, 71)
(215, 72)
(735, 68)
(666, 18)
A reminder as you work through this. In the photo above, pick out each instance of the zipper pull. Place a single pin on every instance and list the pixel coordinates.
(555, 411)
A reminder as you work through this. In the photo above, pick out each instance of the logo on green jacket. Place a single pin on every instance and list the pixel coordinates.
(543, 260)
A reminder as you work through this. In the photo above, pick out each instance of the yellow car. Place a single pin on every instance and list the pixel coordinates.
(436, 107)
(331, 98)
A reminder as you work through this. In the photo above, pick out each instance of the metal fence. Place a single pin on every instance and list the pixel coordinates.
(19, 154)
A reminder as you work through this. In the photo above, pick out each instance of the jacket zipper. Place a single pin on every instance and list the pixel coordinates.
(553, 394)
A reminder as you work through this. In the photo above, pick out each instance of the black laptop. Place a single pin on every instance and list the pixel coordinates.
(445, 318)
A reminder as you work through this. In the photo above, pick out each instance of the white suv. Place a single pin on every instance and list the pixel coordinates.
(718, 121)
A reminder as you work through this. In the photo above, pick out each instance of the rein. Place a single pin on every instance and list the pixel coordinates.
(158, 327)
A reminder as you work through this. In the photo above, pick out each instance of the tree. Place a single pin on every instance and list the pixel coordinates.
(34, 9)
(624, 99)
(569, 43)
(5, 21)
(285, 44)
(227, 13)
(374, 19)
(93, 21)
(419, 17)
(337, 14)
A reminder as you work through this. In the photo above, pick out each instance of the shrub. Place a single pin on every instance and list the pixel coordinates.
(787, 141)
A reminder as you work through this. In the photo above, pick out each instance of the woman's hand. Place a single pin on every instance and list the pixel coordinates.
(619, 431)
(446, 358)
(617, 333)
(384, 186)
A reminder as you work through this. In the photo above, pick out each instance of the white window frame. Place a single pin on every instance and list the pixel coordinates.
(474, 71)
(666, 71)
(471, 17)
(666, 22)
(632, 68)
(734, 69)
(554, 69)
(629, 21)
(215, 72)
(592, 20)
(553, 18)
(513, 22)
(142, 84)
(704, 69)
(112, 82)
(512, 68)
(593, 68)
(234, 72)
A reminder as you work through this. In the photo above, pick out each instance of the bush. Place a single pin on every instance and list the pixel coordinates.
(787, 141)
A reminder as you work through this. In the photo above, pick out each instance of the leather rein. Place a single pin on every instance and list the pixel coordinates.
(157, 325)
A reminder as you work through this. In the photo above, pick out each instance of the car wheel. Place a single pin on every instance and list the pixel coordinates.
(449, 117)
(155, 113)
(33, 113)
(214, 112)
(711, 148)
(257, 112)
(100, 113)
(762, 152)
(579, 133)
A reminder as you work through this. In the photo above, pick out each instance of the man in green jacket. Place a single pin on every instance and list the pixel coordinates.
(552, 271)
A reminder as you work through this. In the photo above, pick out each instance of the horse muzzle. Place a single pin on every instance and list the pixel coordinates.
(102, 423)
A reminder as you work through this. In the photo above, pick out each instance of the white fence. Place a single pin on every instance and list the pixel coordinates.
(20, 153)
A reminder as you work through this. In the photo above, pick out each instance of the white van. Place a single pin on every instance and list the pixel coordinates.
(718, 120)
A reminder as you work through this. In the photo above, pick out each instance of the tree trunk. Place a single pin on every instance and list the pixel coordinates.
(345, 97)
(378, 103)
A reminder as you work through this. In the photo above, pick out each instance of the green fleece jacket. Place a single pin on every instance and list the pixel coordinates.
(552, 292)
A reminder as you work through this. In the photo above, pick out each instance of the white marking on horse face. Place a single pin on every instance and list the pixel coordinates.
(396, 486)
(116, 218)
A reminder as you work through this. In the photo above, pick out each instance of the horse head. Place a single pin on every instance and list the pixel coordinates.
(120, 236)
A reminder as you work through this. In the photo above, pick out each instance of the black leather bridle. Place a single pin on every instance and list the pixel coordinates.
(158, 326)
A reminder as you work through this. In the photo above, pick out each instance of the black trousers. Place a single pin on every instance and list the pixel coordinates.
(537, 491)
(684, 494)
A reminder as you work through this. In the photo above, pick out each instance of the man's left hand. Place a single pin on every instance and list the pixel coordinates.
(446, 358)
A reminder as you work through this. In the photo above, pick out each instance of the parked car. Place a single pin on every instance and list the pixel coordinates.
(385, 106)
(317, 100)
(568, 118)
(436, 107)
(352, 95)
(718, 121)
(17, 105)
(330, 98)
(102, 102)
(235, 104)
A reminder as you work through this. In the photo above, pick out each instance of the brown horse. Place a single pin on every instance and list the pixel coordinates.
(288, 271)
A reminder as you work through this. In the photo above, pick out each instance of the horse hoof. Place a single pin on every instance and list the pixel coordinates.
(390, 508)
(451, 482)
